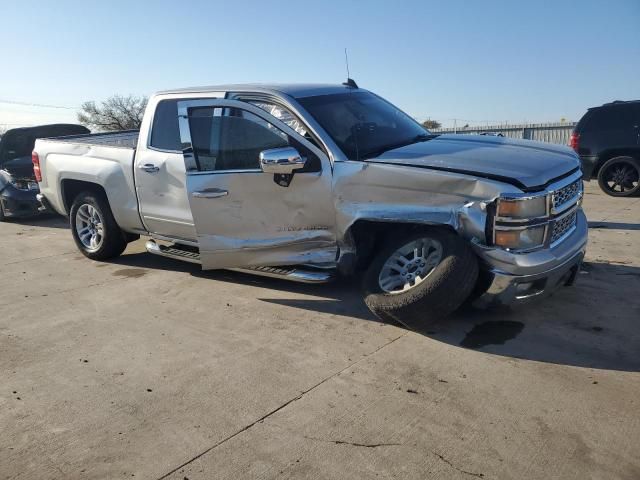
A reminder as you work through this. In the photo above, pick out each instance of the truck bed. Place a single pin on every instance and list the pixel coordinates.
(123, 139)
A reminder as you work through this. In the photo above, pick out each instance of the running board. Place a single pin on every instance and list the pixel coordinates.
(172, 252)
(294, 274)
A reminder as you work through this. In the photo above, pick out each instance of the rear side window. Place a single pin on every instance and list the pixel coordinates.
(615, 117)
(165, 133)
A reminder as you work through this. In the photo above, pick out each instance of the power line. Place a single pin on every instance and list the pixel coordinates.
(39, 105)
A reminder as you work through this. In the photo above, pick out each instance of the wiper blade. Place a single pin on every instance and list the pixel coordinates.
(423, 137)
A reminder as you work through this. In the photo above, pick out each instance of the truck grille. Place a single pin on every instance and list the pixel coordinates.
(565, 194)
(563, 226)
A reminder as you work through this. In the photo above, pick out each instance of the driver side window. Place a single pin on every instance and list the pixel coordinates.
(231, 138)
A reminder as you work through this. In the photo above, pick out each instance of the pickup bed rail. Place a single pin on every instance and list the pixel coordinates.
(123, 139)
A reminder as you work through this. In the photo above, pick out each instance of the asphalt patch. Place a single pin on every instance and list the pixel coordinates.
(492, 333)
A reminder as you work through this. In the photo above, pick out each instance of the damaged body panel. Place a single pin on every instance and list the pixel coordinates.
(18, 186)
(303, 181)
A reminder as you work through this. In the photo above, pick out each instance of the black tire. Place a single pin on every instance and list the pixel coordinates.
(620, 177)
(113, 240)
(2, 215)
(443, 290)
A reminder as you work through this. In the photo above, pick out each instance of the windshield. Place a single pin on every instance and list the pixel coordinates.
(362, 124)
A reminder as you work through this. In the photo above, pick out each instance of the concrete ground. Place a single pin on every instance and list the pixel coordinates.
(149, 368)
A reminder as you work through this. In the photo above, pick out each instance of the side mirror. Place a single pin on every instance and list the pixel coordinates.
(285, 160)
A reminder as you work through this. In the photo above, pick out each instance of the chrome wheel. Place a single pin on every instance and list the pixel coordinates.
(409, 265)
(89, 227)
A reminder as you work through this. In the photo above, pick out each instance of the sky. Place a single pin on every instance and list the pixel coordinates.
(478, 62)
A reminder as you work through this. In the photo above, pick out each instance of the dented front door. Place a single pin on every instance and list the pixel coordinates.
(243, 216)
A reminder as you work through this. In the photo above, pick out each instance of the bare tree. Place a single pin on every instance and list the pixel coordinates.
(115, 113)
(429, 124)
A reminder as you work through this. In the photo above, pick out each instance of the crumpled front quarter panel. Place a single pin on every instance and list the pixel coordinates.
(401, 194)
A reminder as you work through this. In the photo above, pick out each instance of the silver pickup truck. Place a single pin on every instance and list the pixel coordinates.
(305, 182)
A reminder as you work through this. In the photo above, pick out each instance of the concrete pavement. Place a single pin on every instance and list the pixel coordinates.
(149, 368)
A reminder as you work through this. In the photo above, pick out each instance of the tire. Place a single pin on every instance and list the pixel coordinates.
(620, 177)
(90, 212)
(448, 279)
(3, 218)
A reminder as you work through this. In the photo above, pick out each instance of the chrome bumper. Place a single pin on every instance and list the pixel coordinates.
(526, 277)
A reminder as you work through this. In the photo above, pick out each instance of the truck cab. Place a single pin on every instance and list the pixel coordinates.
(307, 182)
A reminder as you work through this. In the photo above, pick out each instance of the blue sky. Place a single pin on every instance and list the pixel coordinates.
(489, 61)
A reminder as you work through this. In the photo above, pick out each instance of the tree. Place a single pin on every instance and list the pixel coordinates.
(115, 113)
(431, 124)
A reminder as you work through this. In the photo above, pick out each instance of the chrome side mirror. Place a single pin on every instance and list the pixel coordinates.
(285, 160)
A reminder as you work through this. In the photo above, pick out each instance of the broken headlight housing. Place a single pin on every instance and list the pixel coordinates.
(24, 183)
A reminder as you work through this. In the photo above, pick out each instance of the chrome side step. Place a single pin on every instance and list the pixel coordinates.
(172, 252)
(293, 273)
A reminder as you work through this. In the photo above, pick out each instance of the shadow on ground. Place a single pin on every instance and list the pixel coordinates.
(48, 220)
(593, 324)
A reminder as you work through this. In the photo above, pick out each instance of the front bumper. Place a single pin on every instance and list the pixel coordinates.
(519, 278)
(19, 203)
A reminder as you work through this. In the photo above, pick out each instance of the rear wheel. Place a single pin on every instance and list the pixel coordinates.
(420, 278)
(620, 177)
(94, 229)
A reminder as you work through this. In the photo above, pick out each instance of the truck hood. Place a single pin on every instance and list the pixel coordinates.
(526, 164)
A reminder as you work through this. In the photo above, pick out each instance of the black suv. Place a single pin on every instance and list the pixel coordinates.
(607, 138)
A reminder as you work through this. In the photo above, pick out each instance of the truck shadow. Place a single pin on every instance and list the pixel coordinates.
(594, 324)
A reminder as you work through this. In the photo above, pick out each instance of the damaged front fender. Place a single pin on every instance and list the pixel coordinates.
(402, 194)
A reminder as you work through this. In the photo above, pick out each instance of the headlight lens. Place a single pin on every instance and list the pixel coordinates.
(520, 239)
(24, 184)
(525, 208)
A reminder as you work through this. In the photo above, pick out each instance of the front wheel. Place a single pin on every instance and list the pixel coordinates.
(420, 278)
(620, 177)
(94, 229)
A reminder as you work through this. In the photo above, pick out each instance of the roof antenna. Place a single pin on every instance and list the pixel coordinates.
(350, 82)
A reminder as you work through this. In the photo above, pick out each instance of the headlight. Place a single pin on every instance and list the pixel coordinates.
(522, 208)
(24, 184)
(520, 238)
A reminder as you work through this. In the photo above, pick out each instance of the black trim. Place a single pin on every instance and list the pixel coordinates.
(500, 178)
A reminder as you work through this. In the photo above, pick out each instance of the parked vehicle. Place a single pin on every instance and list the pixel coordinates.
(18, 186)
(305, 182)
(607, 138)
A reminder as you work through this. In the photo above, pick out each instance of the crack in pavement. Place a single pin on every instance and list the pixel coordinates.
(355, 444)
(276, 410)
(466, 472)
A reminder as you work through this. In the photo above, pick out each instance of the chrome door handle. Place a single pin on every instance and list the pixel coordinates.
(149, 167)
(210, 193)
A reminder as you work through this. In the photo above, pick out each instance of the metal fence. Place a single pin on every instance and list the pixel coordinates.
(542, 132)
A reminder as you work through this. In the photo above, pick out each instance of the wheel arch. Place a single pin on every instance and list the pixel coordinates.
(608, 154)
(71, 188)
(365, 236)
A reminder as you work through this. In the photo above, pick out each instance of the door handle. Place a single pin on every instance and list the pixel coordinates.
(149, 167)
(210, 193)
